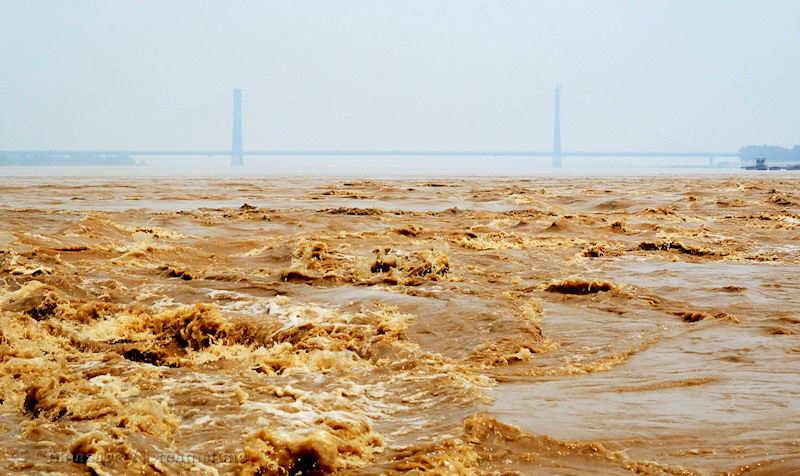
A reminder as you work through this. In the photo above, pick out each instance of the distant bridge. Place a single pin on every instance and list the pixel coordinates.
(237, 152)
(350, 153)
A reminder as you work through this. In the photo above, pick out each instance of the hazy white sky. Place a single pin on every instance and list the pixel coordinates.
(636, 75)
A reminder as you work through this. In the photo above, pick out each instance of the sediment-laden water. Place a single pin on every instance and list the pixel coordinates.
(470, 326)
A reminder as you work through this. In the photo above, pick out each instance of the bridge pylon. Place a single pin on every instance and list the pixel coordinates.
(557, 129)
(237, 152)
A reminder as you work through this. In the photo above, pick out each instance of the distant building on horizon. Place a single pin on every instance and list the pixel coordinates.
(772, 153)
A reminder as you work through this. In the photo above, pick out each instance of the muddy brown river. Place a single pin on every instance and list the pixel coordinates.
(568, 325)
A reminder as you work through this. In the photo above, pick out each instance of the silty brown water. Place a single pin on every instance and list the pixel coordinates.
(470, 326)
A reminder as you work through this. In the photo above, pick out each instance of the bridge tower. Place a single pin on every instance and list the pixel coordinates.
(557, 130)
(237, 153)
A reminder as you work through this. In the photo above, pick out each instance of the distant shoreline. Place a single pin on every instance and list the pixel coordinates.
(43, 162)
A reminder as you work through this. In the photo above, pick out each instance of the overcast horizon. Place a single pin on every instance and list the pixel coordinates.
(656, 75)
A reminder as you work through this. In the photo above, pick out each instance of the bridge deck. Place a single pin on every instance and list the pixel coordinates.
(361, 153)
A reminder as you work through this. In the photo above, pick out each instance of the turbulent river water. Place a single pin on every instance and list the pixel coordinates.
(554, 325)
